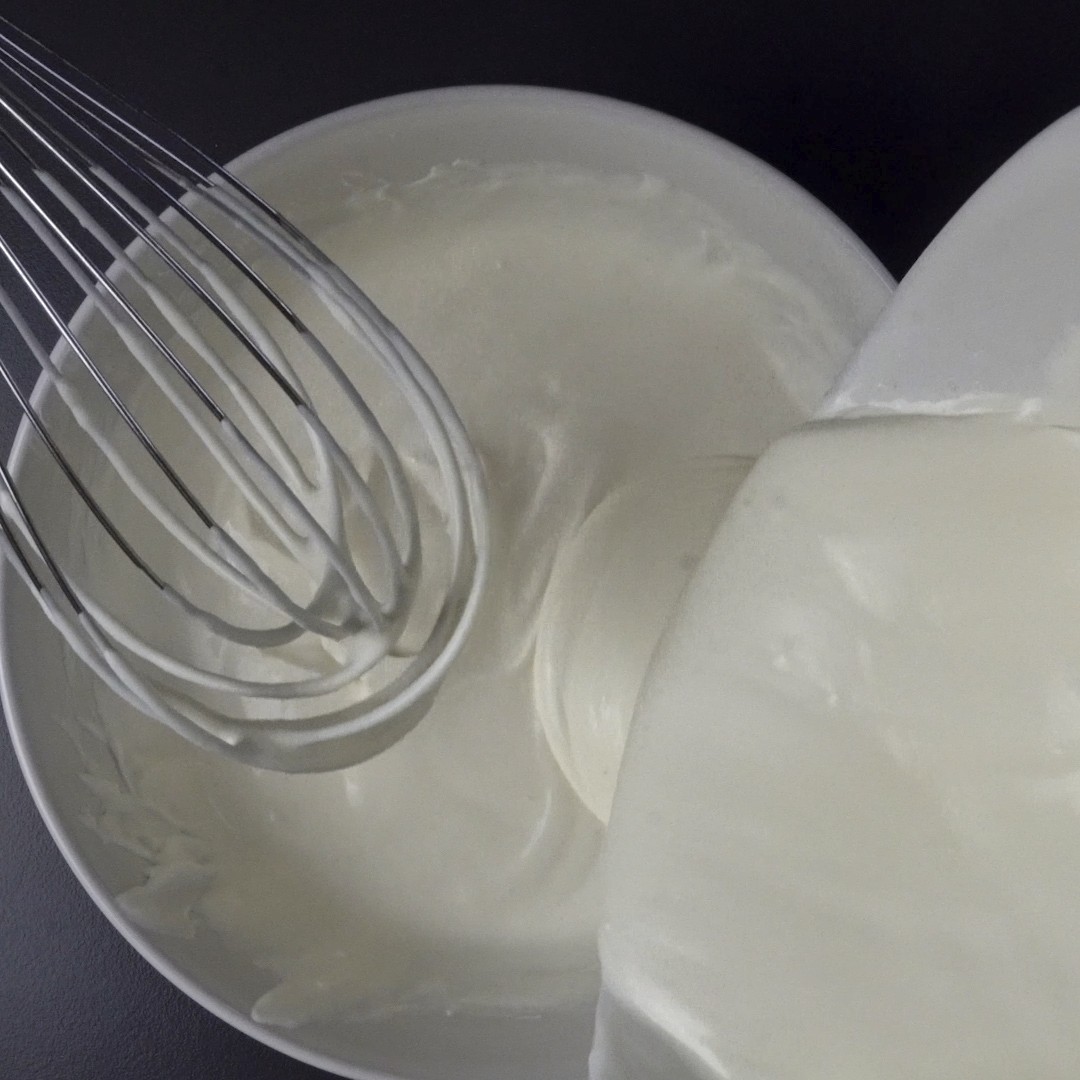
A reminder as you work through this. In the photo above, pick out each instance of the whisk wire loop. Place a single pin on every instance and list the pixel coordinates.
(334, 556)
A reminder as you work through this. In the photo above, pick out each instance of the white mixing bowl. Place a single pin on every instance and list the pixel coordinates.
(305, 172)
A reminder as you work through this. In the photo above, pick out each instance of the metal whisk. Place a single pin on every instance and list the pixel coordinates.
(286, 483)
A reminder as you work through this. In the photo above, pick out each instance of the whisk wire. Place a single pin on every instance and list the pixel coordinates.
(37, 217)
(400, 489)
(70, 151)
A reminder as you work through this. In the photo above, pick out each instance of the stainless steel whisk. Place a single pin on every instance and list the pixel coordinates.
(180, 268)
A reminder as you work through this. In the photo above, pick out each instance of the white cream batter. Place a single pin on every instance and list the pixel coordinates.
(593, 334)
(846, 842)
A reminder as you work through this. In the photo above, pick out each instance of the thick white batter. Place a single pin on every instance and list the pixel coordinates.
(846, 843)
(594, 334)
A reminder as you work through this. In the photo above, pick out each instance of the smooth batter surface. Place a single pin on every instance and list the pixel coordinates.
(846, 842)
(592, 333)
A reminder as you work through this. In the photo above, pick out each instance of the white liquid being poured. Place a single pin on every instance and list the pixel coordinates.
(613, 587)
(592, 333)
(846, 842)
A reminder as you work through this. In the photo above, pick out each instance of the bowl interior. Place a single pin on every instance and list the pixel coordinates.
(309, 173)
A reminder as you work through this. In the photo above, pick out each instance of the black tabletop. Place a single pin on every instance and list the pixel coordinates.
(891, 112)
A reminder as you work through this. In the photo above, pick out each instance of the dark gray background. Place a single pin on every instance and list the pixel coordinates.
(891, 113)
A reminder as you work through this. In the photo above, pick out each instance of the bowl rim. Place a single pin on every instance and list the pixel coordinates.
(349, 116)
